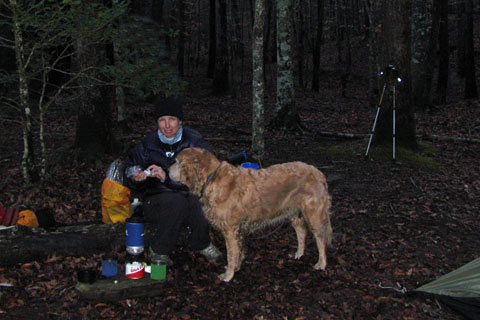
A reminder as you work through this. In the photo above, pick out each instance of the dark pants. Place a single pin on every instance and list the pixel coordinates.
(168, 213)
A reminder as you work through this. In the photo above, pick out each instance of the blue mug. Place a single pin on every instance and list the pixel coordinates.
(109, 266)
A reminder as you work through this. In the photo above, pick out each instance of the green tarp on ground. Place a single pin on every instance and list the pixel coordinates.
(460, 289)
(463, 282)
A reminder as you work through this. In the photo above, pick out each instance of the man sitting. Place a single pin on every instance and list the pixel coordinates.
(167, 205)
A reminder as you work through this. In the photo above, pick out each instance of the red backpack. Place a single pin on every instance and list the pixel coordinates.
(8, 217)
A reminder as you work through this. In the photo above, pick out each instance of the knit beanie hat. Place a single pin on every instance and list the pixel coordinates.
(168, 106)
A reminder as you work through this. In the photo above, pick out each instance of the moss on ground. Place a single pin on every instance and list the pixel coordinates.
(423, 158)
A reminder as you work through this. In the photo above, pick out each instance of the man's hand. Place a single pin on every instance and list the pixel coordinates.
(139, 175)
(157, 172)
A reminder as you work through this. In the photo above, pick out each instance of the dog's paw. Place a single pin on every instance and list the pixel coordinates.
(320, 266)
(227, 276)
(296, 256)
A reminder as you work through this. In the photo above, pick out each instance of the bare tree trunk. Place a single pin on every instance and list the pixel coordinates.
(357, 17)
(269, 51)
(198, 48)
(157, 11)
(421, 58)
(347, 28)
(300, 35)
(371, 7)
(442, 81)
(258, 85)
(120, 103)
(221, 76)
(317, 47)
(41, 116)
(147, 6)
(181, 37)
(470, 78)
(212, 39)
(339, 31)
(366, 17)
(236, 48)
(286, 115)
(432, 49)
(460, 41)
(119, 92)
(27, 159)
(243, 56)
(93, 134)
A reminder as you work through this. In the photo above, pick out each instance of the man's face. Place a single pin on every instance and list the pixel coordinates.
(168, 126)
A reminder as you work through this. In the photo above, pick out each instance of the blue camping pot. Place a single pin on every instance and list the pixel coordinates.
(250, 165)
(135, 235)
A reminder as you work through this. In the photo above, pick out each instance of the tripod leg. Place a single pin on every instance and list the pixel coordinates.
(394, 133)
(376, 118)
(393, 157)
(373, 130)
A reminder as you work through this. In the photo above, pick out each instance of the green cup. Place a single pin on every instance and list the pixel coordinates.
(158, 270)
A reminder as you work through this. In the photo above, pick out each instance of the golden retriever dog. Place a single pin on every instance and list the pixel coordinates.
(238, 200)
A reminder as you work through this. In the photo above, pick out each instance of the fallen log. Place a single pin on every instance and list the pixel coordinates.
(422, 137)
(20, 244)
(448, 138)
(119, 288)
(341, 135)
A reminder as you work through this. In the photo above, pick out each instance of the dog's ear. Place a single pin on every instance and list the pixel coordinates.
(208, 162)
(205, 162)
(196, 165)
(190, 169)
(186, 175)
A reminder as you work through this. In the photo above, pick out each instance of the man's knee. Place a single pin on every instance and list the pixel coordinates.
(168, 205)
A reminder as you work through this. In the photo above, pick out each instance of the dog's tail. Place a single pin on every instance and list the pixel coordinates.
(328, 226)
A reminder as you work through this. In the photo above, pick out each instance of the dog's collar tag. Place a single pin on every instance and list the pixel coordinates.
(169, 154)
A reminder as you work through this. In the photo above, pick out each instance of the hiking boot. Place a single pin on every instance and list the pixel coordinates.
(162, 258)
(211, 253)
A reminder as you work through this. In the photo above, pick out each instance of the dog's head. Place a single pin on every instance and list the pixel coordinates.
(192, 168)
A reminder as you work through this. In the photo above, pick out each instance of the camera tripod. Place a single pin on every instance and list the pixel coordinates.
(391, 76)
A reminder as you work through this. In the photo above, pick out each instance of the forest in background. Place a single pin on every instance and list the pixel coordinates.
(90, 56)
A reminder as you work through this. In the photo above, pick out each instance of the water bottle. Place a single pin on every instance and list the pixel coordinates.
(136, 205)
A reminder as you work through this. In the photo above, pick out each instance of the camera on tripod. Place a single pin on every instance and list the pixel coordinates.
(390, 76)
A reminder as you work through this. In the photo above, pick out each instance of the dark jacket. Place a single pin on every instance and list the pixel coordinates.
(152, 151)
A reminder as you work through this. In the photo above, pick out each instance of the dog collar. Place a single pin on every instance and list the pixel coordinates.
(209, 179)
